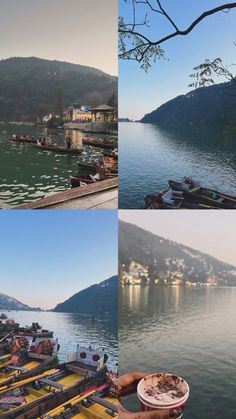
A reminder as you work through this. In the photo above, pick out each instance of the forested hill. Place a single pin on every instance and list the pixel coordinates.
(31, 87)
(97, 299)
(212, 104)
(166, 257)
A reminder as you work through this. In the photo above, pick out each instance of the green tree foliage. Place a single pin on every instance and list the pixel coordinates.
(206, 105)
(32, 87)
(204, 75)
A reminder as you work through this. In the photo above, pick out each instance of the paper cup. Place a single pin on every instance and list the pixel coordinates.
(164, 392)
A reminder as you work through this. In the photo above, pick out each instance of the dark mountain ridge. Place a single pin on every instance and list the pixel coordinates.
(31, 87)
(165, 257)
(9, 303)
(96, 299)
(212, 104)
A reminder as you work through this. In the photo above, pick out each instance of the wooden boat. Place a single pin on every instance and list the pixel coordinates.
(8, 326)
(113, 154)
(59, 149)
(164, 200)
(27, 357)
(23, 139)
(81, 180)
(205, 196)
(29, 397)
(91, 167)
(99, 143)
(155, 202)
(33, 330)
(96, 402)
(108, 162)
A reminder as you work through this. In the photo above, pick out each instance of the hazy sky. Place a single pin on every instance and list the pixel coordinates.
(211, 232)
(140, 93)
(78, 31)
(47, 256)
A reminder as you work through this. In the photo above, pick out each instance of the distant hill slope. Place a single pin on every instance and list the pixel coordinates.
(213, 104)
(165, 257)
(97, 299)
(30, 87)
(9, 303)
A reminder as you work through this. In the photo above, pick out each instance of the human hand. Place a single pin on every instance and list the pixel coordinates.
(127, 384)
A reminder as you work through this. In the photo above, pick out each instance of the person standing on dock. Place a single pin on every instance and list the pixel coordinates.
(68, 141)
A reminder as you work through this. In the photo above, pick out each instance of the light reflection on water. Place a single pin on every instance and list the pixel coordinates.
(190, 332)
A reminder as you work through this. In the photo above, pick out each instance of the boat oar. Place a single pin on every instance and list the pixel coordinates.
(5, 337)
(72, 402)
(28, 380)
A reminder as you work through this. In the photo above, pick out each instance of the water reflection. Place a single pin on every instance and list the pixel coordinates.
(186, 331)
(151, 155)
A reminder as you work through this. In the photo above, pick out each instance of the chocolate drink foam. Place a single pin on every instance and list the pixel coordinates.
(163, 388)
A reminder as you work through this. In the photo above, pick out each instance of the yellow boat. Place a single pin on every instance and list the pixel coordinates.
(31, 396)
(27, 358)
(94, 404)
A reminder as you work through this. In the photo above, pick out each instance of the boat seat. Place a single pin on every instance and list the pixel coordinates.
(4, 358)
(104, 403)
(51, 383)
(16, 368)
(196, 189)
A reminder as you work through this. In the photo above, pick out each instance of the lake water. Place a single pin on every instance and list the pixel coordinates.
(27, 173)
(150, 155)
(189, 332)
(71, 329)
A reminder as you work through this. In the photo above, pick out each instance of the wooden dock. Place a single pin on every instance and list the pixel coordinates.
(98, 195)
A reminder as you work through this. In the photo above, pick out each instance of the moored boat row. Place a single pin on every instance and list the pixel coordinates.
(33, 384)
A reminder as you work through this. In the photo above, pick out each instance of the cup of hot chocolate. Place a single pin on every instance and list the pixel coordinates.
(164, 392)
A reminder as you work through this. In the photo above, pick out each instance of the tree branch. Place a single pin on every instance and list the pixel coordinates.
(145, 43)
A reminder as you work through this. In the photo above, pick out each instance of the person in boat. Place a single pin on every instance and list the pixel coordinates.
(168, 198)
(35, 327)
(188, 181)
(18, 344)
(45, 347)
(44, 142)
(68, 141)
(100, 175)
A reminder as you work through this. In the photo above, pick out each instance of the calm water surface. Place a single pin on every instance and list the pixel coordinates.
(27, 173)
(190, 332)
(150, 156)
(71, 329)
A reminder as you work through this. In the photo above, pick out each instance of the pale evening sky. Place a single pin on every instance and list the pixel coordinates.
(47, 256)
(211, 232)
(78, 31)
